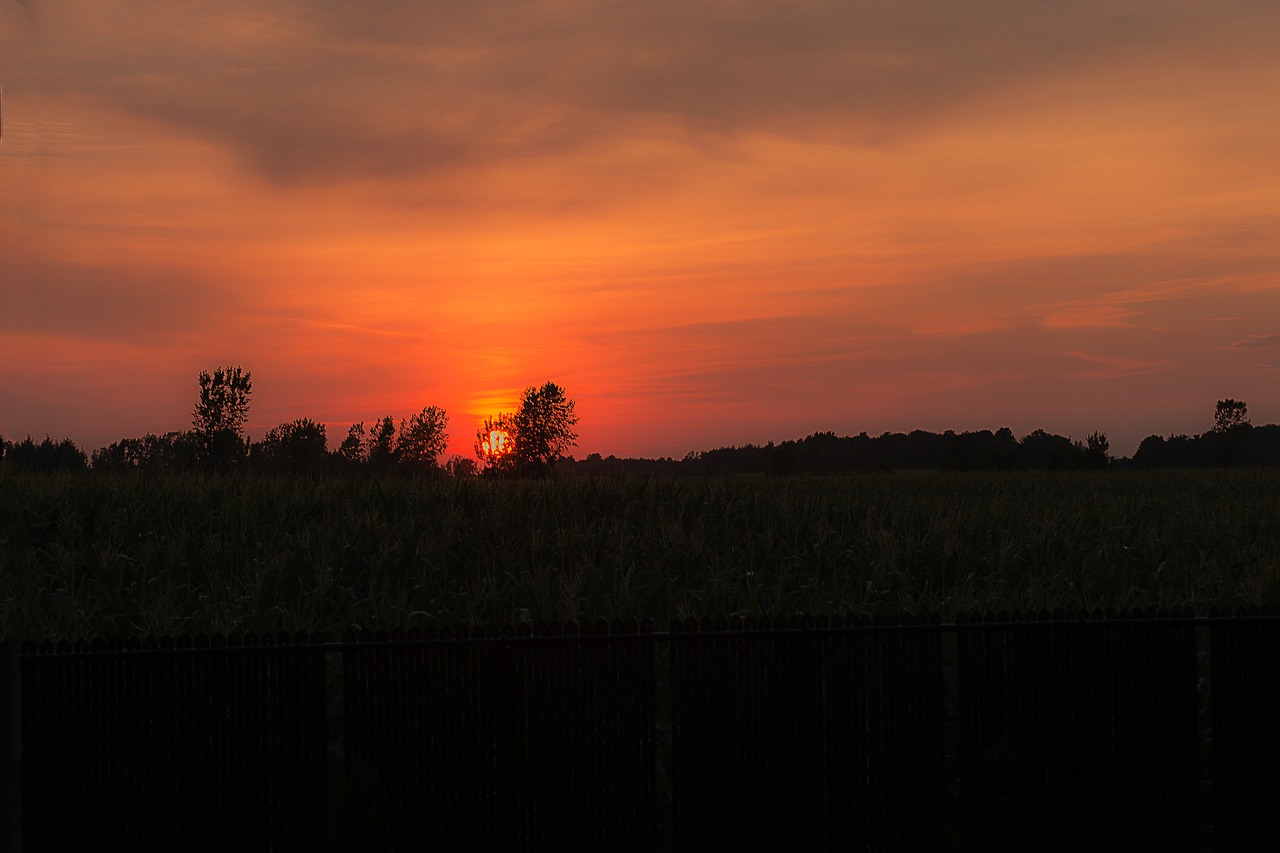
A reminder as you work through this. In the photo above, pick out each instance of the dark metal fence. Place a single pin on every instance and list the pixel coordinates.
(1062, 733)
(173, 746)
(806, 739)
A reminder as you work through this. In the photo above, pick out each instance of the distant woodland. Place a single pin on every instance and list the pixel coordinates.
(537, 437)
(984, 450)
(824, 452)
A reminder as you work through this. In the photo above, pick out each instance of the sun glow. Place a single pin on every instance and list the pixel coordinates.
(497, 445)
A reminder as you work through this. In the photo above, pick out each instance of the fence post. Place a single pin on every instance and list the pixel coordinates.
(10, 747)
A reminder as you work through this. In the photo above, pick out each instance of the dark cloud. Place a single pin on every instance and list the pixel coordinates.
(337, 90)
(1258, 341)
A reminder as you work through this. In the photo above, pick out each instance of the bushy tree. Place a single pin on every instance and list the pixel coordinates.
(299, 445)
(221, 413)
(544, 427)
(423, 437)
(1230, 414)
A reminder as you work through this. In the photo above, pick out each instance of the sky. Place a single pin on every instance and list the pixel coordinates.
(712, 223)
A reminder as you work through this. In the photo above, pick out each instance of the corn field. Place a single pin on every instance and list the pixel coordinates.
(90, 555)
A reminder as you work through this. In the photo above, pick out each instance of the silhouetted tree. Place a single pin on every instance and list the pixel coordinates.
(496, 443)
(48, 455)
(220, 416)
(380, 446)
(1098, 450)
(1151, 452)
(353, 448)
(461, 466)
(118, 456)
(173, 450)
(544, 427)
(1044, 450)
(1230, 414)
(299, 445)
(423, 437)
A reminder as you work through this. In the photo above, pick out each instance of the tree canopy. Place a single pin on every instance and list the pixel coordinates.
(224, 400)
(1229, 414)
(544, 426)
(221, 413)
(423, 437)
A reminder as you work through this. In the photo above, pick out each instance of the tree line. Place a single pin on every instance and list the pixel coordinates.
(1232, 441)
(535, 437)
(535, 440)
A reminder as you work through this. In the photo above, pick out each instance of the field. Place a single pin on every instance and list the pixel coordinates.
(93, 555)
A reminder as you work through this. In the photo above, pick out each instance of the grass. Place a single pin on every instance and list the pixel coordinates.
(90, 555)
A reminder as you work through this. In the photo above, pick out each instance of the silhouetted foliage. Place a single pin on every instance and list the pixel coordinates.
(826, 452)
(1230, 414)
(375, 447)
(177, 451)
(48, 455)
(461, 466)
(299, 445)
(543, 428)
(380, 446)
(221, 413)
(1242, 444)
(352, 449)
(534, 441)
(1099, 450)
(416, 446)
(423, 437)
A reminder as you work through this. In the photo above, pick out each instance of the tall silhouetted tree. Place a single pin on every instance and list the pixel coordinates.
(544, 427)
(220, 416)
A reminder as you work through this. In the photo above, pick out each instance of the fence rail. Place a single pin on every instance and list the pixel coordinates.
(1047, 731)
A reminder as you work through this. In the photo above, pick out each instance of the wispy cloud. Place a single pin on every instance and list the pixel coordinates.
(1092, 317)
(1256, 341)
(1117, 367)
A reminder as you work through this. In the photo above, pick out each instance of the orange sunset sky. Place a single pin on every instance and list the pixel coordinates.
(712, 222)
